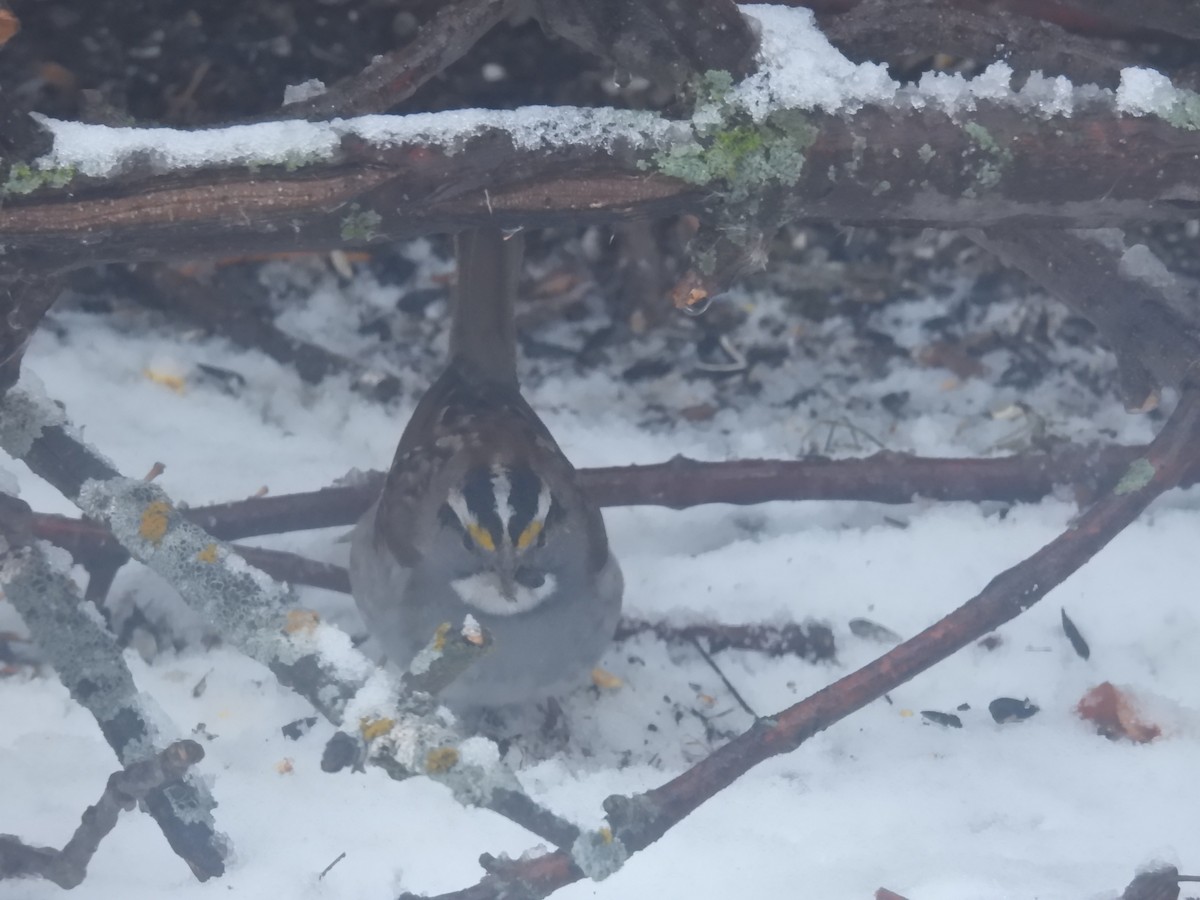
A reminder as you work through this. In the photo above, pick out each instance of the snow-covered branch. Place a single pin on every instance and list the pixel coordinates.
(404, 730)
(810, 136)
(637, 822)
(90, 665)
(140, 781)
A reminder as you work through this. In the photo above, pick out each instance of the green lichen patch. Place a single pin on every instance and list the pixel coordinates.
(996, 158)
(1137, 476)
(360, 225)
(25, 179)
(744, 156)
(1185, 111)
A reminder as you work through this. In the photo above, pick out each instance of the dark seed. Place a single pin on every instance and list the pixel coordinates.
(1008, 709)
(940, 718)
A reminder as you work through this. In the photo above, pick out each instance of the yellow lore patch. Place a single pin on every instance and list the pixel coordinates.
(529, 535)
(481, 536)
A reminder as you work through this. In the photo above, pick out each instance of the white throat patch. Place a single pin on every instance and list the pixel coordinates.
(482, 591)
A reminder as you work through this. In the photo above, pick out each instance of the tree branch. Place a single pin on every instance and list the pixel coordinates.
(1093, 168)
(89, 664)
(259, 618)
(636, 822)
(136, 782)
(394, 77)
(1136, 304)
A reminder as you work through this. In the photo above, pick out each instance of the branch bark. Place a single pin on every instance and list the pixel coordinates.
(880, 166)
(136, 782)
(89, 664)
(1131, 298)
(259, 618)
(394, 77)
(636, 822)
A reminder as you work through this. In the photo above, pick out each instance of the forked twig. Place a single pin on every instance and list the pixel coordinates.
(638, 821)
(68, 867)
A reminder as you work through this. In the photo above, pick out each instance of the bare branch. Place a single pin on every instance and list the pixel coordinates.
(880, 166)
(669, 41)
(891, 30)
(636, 822)
(680, 483)
(394, 77)
(1125, 292)
(89, 664)
(136, 782)
(258, 617)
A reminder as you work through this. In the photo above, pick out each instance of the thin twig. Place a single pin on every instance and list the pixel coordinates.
(259, 617)
(68, 867)
(695, 642)
(394, 77)
(636, 822)
(1143, 314)
(90, 665)
(680, 483)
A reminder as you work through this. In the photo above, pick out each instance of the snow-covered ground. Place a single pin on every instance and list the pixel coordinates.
(1043, 808)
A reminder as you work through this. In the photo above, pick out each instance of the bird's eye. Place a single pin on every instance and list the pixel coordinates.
(530, 578)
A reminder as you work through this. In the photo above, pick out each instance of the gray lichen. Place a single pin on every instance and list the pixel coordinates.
(24, 412)
(360, 225)
(599, 854)
(1137, 476)
(89, 663)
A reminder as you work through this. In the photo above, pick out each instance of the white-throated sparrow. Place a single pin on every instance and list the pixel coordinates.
(481, 515)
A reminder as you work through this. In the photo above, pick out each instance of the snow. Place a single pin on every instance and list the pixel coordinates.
(1043, 807)
(1145, 91)
(798, 69)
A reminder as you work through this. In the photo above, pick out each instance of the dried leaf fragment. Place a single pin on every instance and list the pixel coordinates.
(168, 380)
(606, 680)
(301, 621)
(1074, 636)
(1115, 714)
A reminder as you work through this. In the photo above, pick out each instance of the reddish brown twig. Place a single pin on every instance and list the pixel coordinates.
(1092, 169)
(25, 295)
(639, 821)
(679, 483)
(897, 30)
(652, 38)
(68, 867)
(1127, 297)
(394, 77)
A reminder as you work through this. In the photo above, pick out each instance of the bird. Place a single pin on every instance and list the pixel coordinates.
(482, 514)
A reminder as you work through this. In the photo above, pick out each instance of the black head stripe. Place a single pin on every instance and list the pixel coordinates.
(480, 497)
(523, 498)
